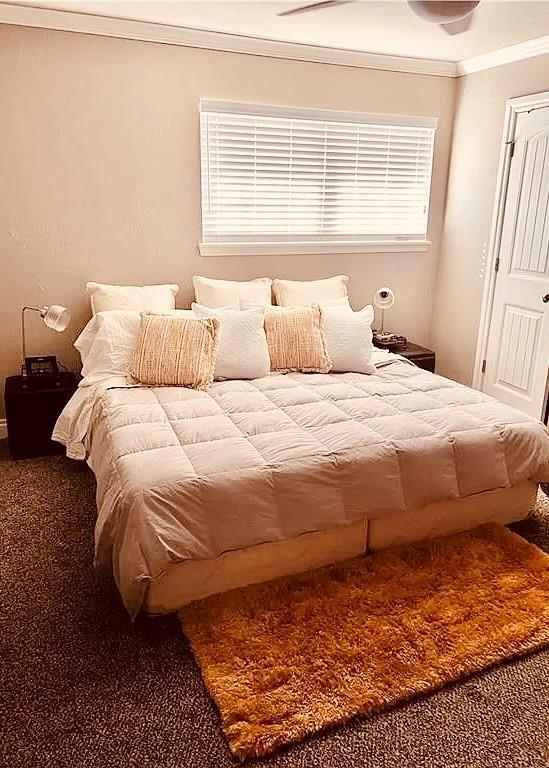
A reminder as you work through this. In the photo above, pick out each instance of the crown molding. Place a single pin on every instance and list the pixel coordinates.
(107, 26)
(507, 55)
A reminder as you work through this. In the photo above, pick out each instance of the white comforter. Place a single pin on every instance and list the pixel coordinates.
(183, 474)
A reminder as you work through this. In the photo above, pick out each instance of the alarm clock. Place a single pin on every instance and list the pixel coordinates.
(41, 371)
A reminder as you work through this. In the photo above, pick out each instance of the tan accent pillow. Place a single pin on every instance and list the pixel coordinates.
(176, 351)
(295, 340)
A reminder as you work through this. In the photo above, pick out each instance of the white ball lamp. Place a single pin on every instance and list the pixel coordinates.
(384, 298)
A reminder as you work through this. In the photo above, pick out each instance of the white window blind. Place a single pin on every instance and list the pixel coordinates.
(283, 175)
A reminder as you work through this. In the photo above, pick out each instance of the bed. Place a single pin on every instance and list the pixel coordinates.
(202, 491)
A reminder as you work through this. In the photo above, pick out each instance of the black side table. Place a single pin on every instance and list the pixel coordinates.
(420, 356)
(31, 413)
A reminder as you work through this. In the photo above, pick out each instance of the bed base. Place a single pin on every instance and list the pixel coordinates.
(191, 580)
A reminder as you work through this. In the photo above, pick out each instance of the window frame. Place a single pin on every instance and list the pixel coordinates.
(392, 244)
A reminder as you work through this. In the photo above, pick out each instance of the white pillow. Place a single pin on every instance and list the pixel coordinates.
(243, 352)
(341, 304)
(149, 298)
(108, 342)
(297, 293)
(230, 293)
(349, 339)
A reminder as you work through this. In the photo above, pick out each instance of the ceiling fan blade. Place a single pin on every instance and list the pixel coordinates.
(459, 26)
(314, 6)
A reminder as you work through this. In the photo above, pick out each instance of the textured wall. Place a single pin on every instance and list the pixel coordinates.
(99, 172)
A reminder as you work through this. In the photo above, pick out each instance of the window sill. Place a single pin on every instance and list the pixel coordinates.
(303, 248)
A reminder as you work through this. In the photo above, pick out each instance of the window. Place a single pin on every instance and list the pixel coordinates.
(278, 176)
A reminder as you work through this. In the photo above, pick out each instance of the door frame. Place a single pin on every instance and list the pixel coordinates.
(513, 108)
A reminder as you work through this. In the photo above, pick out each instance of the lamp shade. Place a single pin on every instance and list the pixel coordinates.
(384, 298)
(56, 317)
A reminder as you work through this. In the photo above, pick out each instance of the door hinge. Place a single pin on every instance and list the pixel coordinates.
(511, 145)
(483, 369)
(496, 265)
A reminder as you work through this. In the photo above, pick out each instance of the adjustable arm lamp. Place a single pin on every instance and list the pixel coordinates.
(55, 317)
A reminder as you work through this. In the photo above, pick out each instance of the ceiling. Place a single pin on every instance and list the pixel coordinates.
(387, 27)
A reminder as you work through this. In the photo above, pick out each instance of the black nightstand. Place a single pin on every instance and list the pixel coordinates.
(420, 356)
(31, 414)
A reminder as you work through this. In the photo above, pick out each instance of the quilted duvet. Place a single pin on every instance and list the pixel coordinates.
(184, 474)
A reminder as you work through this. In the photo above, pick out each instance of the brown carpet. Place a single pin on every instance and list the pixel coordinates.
(83, 688)
(288, 658)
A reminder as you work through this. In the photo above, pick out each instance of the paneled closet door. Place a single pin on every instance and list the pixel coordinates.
(517, 360)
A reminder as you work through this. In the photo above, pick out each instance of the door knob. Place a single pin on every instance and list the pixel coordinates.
(545, 298)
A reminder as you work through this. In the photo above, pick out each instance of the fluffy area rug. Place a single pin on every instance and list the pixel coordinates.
(293, 656)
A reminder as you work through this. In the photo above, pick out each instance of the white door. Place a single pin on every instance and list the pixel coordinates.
(517, 359)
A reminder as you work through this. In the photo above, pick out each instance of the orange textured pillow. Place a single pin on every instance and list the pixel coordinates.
(295, 340)
(176, 351)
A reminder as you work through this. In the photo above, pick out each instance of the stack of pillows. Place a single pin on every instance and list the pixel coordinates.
(233, 331)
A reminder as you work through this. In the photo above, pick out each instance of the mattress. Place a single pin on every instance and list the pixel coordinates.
(187, 475)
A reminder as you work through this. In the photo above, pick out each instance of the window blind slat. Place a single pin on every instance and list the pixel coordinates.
(297, 178)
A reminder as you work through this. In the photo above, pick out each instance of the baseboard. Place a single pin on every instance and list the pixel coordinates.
(3, 429)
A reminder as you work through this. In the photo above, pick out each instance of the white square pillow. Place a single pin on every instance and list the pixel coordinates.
(342, 304)
(144, 298)
(230, 293)
(297, 293)
(243, 352)
(349, 339)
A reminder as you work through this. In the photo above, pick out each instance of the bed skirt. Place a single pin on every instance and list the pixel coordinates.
(191, 580)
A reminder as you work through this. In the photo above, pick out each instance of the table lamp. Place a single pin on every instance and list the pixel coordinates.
(43, 368)
(384, 298)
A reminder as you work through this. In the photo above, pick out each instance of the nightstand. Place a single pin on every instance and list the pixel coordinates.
(31, 413)
(420, 356)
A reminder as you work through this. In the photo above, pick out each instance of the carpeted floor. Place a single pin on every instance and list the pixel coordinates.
(83, 688)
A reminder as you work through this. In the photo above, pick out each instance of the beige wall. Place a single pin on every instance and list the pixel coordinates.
(99, 172)
(478, 127)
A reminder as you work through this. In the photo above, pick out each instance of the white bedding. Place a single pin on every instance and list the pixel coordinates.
(73, 424)
(106, 347)
(183, 474)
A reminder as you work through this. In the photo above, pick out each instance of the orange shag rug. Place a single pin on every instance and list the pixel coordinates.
(290, 657)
